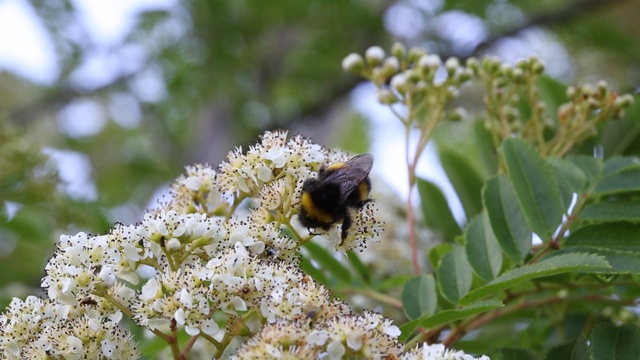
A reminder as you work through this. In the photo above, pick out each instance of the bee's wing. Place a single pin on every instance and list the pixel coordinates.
(351, 174)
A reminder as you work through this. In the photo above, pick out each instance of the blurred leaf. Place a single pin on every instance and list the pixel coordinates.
(621, 261)
(589, 165)
(514, 354)
(454, 275)
(485, 149)
(392, 282)
(435, 208)
(437, 252)
(507, 221)
(447, 316)
(361, 269)
(610, 342)
(329, 263)
(535, 186)
(569, 177)
(465, 180)
(551, 266)
(609, 211)
(483, 251)
(314, 272)
(624, 181)
(618, 235)
(617, 164)
(419, 296)
(552, 92)
(574, 350)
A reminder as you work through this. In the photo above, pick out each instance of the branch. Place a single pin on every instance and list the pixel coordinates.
(563, 15)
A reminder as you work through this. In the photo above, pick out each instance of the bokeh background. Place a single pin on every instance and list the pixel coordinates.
(102, 103)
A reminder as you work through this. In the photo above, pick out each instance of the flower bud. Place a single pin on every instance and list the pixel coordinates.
(431, 62)
(398, 50)
(624, 101)
(353, 64)
(491, 65)
(390, 66)
(374, 55)
(473, 64)
(386, 97)
(399, 83)
(415, 54)
(603, 88)
(452, 64)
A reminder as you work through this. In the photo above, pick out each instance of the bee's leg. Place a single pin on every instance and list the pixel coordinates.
(313, 233)
(346, 224)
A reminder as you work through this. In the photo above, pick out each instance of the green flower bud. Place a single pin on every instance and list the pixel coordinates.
(390, 66)
(603, 88)
(415, 54)
(386, 97)
(431, 62)
(353, 64)
(398, 50)
(624, 101)
(473, 64)
(452, 64)
(399, 83)
(374, 55)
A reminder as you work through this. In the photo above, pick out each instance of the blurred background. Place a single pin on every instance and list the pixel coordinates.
(103, 103)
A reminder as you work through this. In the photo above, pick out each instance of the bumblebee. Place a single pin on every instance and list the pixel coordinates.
(326, 199)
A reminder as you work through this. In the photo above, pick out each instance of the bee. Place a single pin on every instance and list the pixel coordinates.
(326, 200)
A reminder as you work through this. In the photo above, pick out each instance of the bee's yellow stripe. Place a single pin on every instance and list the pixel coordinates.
(363, 189)
(335, 166)
(313, 211)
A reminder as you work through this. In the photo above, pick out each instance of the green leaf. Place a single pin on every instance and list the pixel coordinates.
(569, 177)
(627, 180)
(537, 190)
(436, 210)
(361, 269)
(552, 92)
(392, 282)
(419, 296)
(617, 164)
(447, 316)
(483, 251)
(574, 350)
(552, 266)
(618, 235)
(329, 263)
(314, 272)
(610, 342)
(514, 354)
(437, 252)
(621, 261)
(608, 211)
(485, 149)
(464, 179)
(589, 165)
(454, 275)
(507, 221)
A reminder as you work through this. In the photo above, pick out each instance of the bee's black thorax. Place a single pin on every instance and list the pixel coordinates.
(326, 200)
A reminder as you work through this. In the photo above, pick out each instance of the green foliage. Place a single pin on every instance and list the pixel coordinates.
(552, 231)
(520, 165)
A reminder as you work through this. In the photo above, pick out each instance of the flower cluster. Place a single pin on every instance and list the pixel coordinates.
(412, 76)
(437, 352)
(369, 337)
(45, 329)
(216, 262)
